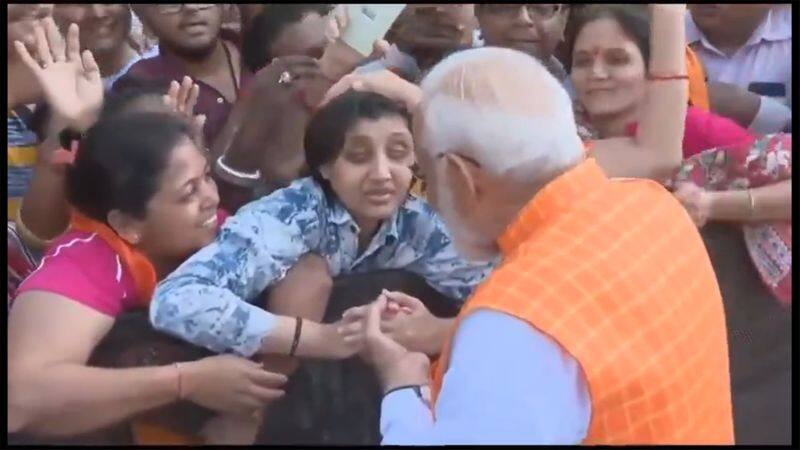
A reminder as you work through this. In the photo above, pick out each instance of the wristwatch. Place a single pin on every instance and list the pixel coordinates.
(423, 392)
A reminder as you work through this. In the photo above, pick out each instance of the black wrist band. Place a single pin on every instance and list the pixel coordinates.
(297, 329)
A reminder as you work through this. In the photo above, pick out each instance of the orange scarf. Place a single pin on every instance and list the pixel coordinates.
(144, 276)
(140, 267)
(698, 90)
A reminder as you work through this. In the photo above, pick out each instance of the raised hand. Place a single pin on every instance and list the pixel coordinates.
(382, 82)
(70, 80)
(273, 115)
(182, 98)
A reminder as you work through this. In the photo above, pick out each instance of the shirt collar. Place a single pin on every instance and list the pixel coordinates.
(771, 29)
(693, 34)
(552, 201)
(341, 217)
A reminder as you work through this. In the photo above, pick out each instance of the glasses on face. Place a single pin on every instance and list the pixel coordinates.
(176, 8)
(535, 11)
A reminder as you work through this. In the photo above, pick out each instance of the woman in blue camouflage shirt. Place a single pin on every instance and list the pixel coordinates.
(355, 212)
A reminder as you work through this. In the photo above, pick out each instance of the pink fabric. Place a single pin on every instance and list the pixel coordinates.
(81, 266)
(705, 130)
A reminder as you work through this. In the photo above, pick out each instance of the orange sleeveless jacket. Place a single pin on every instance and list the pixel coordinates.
(617, 274)
(698, 90)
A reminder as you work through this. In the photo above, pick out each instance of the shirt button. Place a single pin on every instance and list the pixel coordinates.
(220, 100)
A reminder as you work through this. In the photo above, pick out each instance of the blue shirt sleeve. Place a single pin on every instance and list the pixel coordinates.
(441, 265)
(507, 383)
(206, 300)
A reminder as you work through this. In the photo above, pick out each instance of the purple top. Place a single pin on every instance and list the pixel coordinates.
(165, 67)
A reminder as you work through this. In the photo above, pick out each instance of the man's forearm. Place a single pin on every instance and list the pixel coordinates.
(439, 335)
(772, 117)
(338, 60)
(733, 102)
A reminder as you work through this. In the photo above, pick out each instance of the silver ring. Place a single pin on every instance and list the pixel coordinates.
(285, 78)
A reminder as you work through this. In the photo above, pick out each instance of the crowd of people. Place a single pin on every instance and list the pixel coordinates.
(600, 196)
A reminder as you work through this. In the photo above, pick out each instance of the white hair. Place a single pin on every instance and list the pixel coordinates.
(503, 109)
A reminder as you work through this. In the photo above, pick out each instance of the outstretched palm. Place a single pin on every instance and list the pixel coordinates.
(71, 82)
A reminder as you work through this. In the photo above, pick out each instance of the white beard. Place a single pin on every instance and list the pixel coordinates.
(469, 243)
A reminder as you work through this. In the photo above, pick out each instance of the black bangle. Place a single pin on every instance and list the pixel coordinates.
(297, 329)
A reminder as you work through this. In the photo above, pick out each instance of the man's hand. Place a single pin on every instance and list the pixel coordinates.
(71, 82)
(408, 321)
(394, 364)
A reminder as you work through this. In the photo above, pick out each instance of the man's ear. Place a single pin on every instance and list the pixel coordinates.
(465, 180)
(126, 226)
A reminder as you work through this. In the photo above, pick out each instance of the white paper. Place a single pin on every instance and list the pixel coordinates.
(367, 23)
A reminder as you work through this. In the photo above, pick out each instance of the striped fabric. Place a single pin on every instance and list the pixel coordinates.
(616, 272)
(21, 262)
(21, 159)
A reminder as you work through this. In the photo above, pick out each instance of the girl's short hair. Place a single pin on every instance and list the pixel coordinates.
(326, 131)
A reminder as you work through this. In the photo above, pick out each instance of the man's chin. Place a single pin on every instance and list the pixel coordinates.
(199, 49)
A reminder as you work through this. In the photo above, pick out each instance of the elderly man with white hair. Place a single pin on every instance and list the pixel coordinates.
(603, 324)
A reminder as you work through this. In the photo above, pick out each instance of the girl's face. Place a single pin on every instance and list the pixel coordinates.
(182, 215)
(608, 70)
(372, 174)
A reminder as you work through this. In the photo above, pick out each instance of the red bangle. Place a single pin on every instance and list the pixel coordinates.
(652, 77)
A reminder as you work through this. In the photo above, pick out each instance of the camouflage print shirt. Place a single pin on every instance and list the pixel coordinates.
(207, 300)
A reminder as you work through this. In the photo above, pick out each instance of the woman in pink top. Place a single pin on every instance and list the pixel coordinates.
(143, 202)
(610, 51)
(744, 180)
